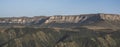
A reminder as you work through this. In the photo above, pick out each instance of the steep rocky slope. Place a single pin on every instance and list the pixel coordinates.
(23, 20)
(53, 37)
(109, 20)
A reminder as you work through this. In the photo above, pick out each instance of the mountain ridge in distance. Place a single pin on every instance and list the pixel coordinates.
(98, 21)
(103, 20)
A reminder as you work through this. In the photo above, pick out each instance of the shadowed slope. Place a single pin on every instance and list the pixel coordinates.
(51, 37)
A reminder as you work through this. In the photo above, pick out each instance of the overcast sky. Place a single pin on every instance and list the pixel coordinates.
(10, 8)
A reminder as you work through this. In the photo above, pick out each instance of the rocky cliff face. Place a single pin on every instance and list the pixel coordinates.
(22, 20)
(111, 20)
(110, 17)
(72, 18)
(82, 18)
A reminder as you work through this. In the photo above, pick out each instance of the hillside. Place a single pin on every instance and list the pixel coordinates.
(85, 30)
(55, 37)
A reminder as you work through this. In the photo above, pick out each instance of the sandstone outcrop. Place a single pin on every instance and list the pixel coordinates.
(109, 20)
(82, 18)
(104, 20)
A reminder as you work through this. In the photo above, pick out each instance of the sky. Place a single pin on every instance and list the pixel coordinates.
(18, 8)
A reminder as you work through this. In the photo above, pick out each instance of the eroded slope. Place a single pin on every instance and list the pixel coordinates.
(52, 37)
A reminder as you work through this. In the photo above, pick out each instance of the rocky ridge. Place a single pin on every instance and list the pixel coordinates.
(81, 18)
(111, 20)
(104, 20)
